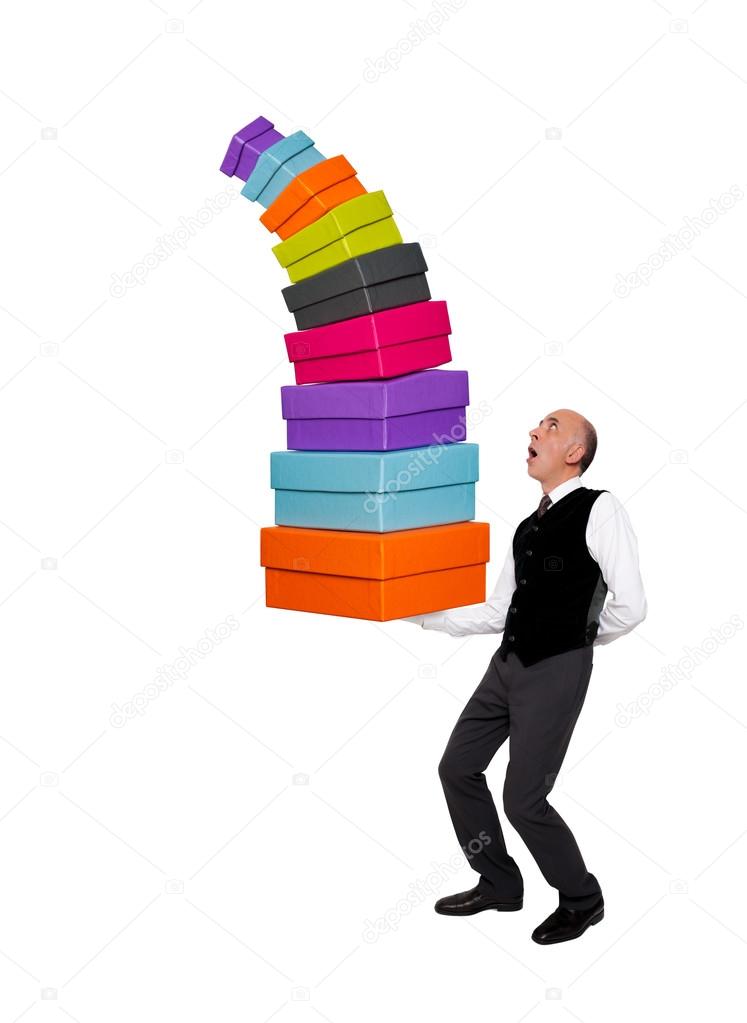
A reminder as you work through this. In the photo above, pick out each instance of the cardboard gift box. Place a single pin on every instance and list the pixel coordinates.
(278, 165)
(382, 279)
(408, 411)
(375, 492)
(384, 344)
(246, 145)
(309, 196)
(354, 227)
(379, 577)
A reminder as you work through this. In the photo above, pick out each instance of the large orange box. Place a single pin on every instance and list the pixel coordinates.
(377, 576)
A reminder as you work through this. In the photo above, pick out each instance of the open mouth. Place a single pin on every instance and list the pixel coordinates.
(532, 454)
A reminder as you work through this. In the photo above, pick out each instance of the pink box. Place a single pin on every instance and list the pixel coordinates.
(379, 363)
(359, 348)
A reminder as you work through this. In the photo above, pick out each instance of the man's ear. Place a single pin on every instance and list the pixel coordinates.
(575, 454)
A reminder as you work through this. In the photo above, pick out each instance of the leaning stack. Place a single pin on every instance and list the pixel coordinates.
(375, 496)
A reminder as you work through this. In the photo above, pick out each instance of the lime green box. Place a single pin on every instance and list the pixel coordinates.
(351, 229)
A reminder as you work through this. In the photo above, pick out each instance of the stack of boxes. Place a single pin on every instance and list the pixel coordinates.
(375, 496)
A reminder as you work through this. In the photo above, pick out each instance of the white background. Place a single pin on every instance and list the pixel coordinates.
(226, 854)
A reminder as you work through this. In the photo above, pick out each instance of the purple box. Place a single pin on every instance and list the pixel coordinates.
(246, 145)
(413, 410)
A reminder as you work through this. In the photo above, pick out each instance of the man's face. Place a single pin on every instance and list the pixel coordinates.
(554, 445)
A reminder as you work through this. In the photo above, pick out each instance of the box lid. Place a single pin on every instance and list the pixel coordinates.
(271, 159)
(377, 399)
(258, 127)
(348, 216)
(375, 472)
(375, 330)
(375, 555)
(371, 268)
(306, 184)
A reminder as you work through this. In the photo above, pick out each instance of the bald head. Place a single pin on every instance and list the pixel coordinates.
(563, 444)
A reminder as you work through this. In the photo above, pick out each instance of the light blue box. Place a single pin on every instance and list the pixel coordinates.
(374, 491)
(278, 165)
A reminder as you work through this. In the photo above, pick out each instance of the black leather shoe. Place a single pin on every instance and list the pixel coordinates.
(474, 901)
(565, 924)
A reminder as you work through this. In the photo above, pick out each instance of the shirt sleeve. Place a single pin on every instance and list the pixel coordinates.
(613, 545)
(490, 616)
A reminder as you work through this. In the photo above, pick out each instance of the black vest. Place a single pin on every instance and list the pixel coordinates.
(559, 586)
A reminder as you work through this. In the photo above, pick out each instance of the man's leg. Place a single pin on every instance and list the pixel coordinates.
(545, 700)
(480, 730)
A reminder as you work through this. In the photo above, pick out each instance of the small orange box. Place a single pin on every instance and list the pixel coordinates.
(376, 576)
(310, 195)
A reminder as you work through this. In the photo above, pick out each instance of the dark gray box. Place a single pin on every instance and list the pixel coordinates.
(384, 279)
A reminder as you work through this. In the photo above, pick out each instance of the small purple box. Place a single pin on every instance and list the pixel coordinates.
(413, 410)
(246, 145)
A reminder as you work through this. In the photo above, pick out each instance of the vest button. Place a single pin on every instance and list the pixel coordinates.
(535, 529)
(529, 553)
(512, 610)
(523, 582)
(511, 639)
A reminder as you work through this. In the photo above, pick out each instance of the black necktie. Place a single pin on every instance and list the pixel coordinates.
(543, 506)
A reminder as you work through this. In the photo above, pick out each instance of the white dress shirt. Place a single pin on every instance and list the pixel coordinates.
(610, 541)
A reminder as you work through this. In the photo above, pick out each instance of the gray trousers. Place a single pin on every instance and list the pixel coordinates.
(536, 708)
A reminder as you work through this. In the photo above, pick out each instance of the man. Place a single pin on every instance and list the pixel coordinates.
(549, 603)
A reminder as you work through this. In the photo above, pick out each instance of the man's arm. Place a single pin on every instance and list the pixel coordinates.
(613, 545)
(489, 616)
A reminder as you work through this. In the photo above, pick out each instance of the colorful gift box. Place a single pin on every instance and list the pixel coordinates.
(384, 344)
(378, 415)
(278, 165)
(375, 576)
(373, 491)
(354, 227)
(309, 196)
(246, 145)
(382, 279)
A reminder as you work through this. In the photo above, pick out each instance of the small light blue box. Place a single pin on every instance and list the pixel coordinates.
(278, 165)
